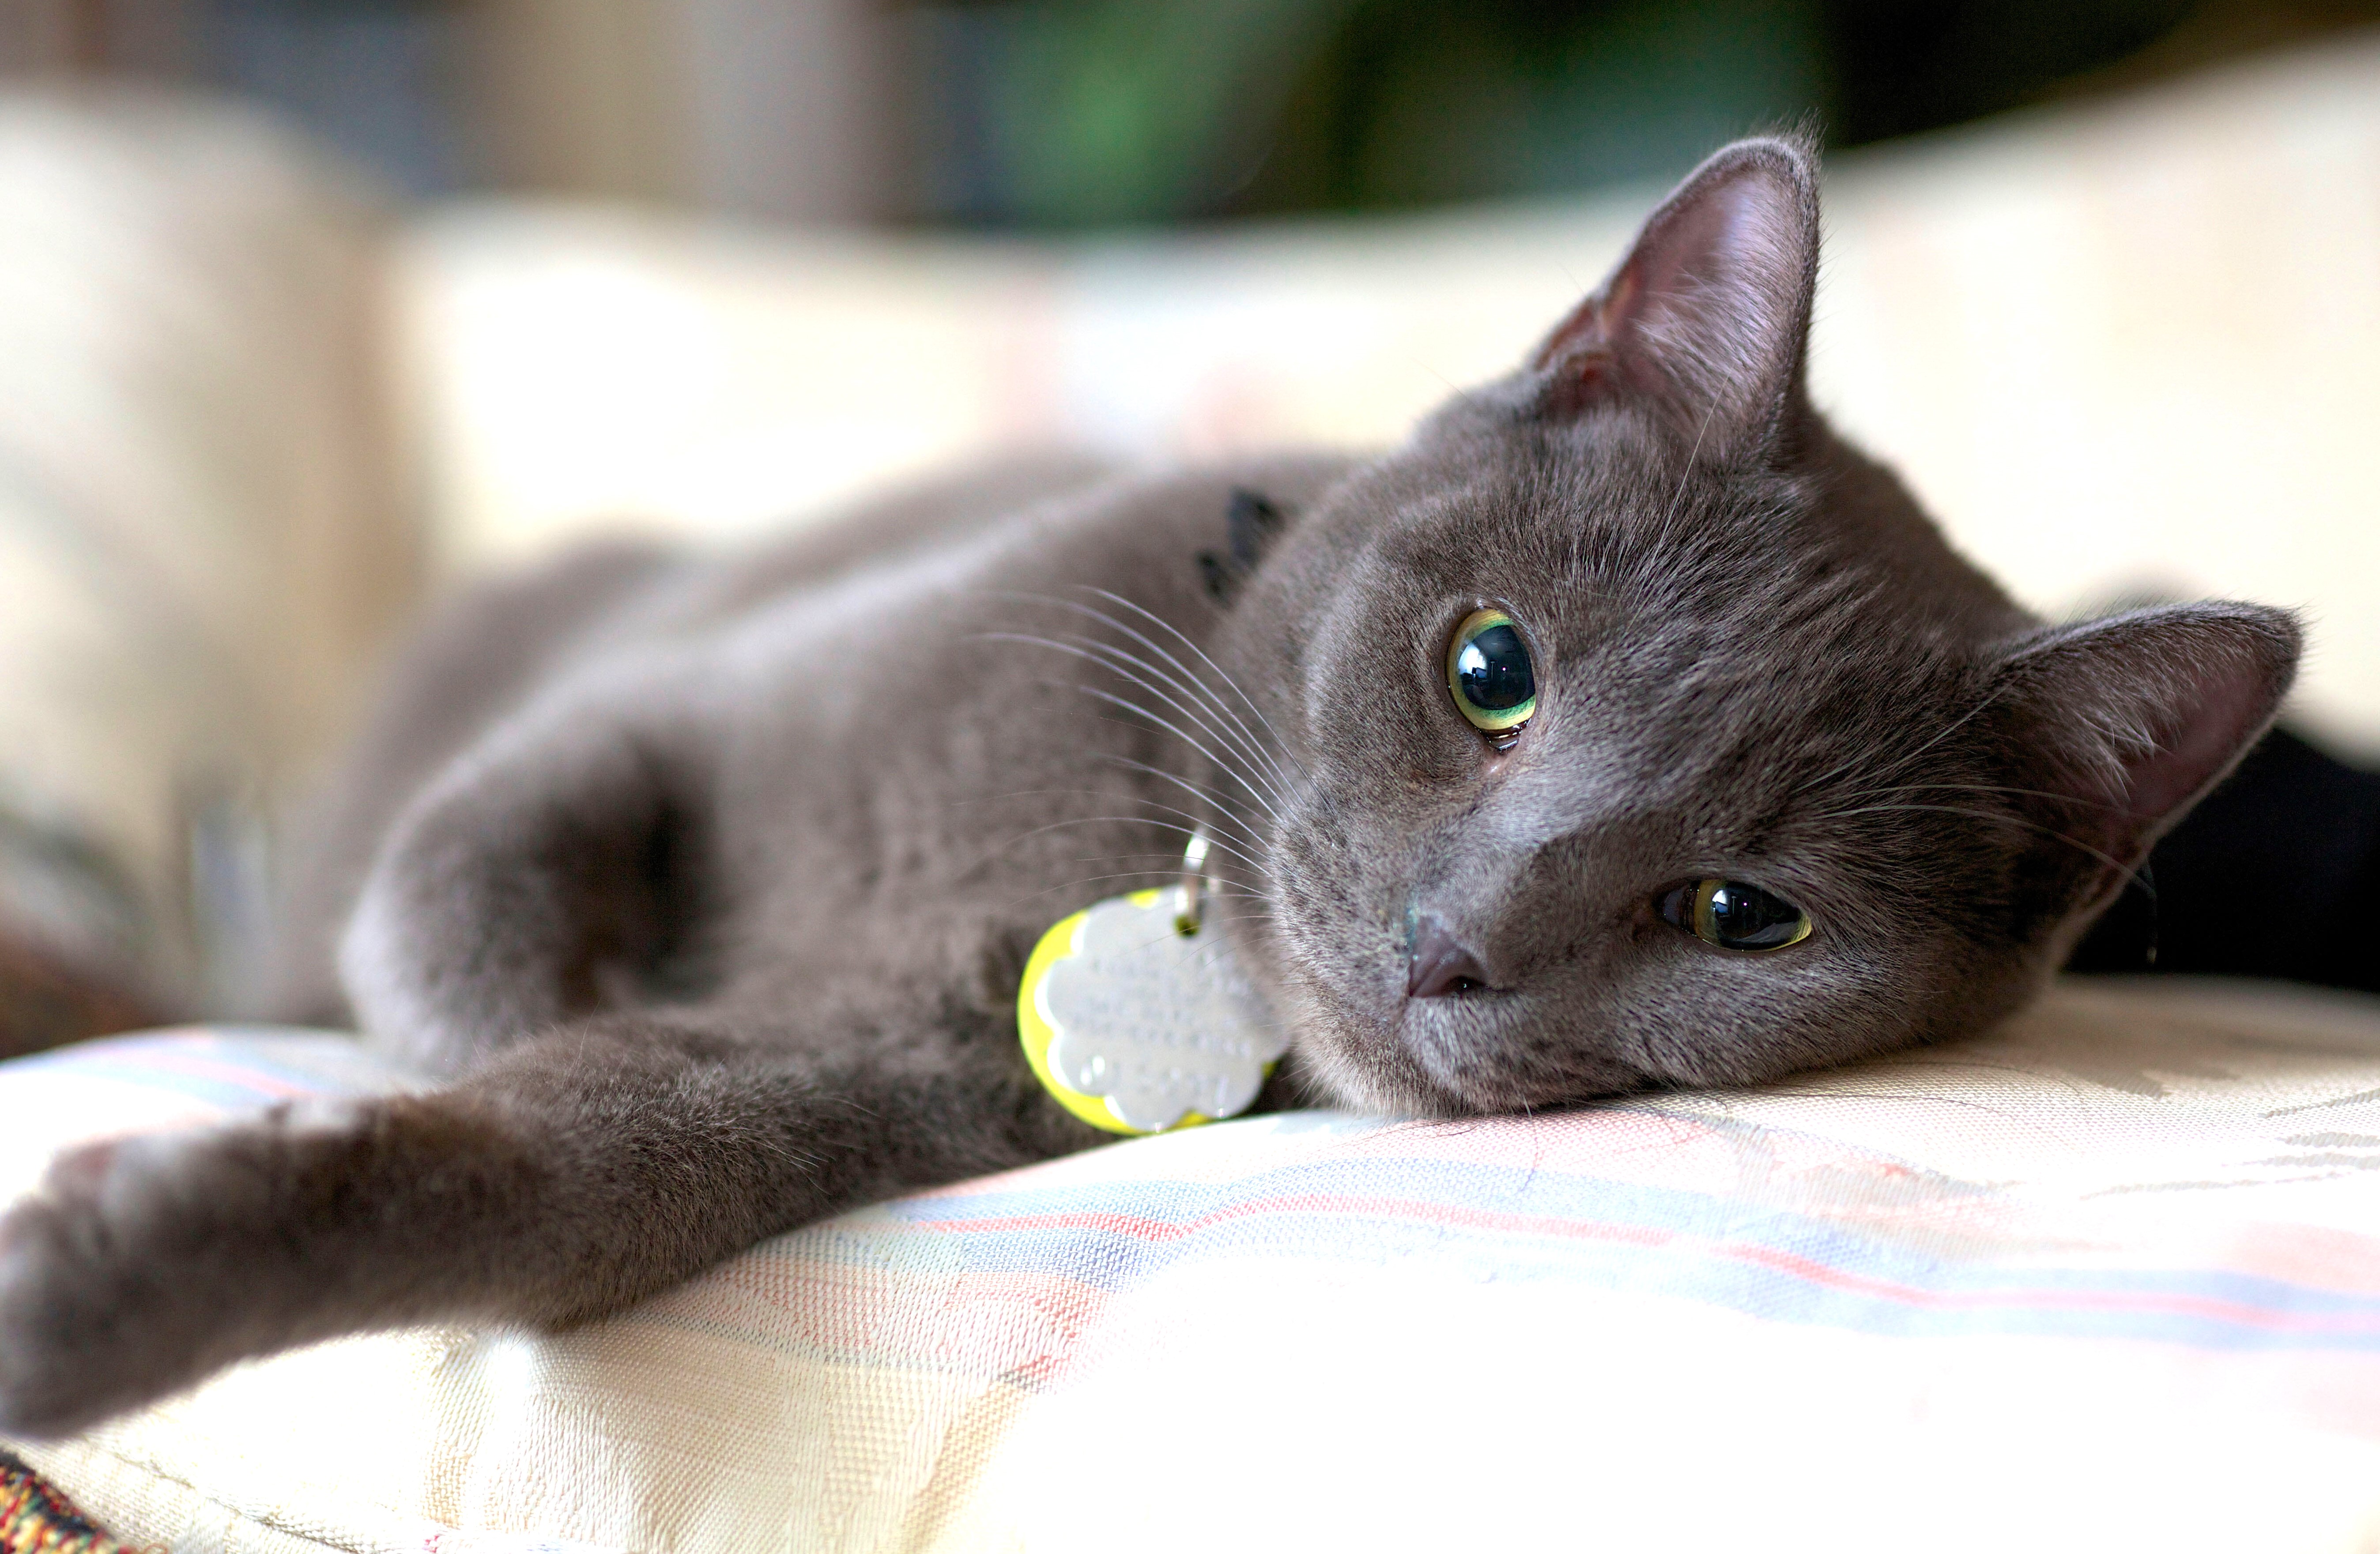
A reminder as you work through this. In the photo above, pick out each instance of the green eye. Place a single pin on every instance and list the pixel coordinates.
(1488, 670)
(1734, 915)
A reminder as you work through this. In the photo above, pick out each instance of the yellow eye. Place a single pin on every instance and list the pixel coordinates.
(1734, 915)
(1487, 669)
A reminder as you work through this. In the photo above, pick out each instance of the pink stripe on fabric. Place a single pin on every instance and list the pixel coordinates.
(872, 1314)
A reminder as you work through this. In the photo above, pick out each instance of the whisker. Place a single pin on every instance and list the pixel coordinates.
(1143, 711)
(1159, 875)
(1199, 789)
(1953, 727)
(1670, 517)
(1196, 820)
(1220, 672)
(1161, 869)
(1139, 820)
(1232, 768)
(2131, 874)
(1149, 718)
(1985, 788)
(1117, 661)
(1191, 683)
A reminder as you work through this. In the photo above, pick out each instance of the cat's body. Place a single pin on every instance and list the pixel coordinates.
(704, 887)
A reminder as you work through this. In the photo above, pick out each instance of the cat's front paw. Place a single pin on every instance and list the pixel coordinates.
(61, 1304)
(124, 1277)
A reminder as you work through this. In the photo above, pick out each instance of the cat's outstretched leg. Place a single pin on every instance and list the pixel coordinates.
(569, 1177)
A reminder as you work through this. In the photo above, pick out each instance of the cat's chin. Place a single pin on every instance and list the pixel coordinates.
(1356, 1064)
(1443, 1058)
(1354, 1083)
(1475, 1050)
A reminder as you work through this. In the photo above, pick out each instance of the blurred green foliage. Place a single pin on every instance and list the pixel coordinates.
(1078, 113)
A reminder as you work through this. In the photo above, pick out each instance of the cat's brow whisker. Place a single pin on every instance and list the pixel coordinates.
(1238, 736)
(1161, 623)
(1218, 889)
(1678, 497)
(1253, 782)
(2130, 873)
(1180, 679)
(1219, 813)
(1303, 778)
(1171, 867)
(1221, 707)
(1159, 875)
(1254, 789)
(1985, 788)
(1239, 917)
(1900, 764)
(1223, 809)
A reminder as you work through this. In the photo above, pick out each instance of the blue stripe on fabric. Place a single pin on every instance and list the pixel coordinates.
(1689, 1264)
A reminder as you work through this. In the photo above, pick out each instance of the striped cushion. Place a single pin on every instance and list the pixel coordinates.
(2109, 1279)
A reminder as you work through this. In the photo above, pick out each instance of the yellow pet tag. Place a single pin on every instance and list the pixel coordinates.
(1137, 1022)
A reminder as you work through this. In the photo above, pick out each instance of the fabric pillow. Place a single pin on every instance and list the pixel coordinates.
(2108, 1279)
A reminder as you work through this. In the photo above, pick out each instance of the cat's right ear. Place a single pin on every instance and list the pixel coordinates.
(1707, 319)
(1254, 521)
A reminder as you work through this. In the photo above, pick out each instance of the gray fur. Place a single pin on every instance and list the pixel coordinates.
(700, 889)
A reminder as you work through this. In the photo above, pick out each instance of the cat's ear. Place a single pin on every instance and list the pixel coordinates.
(2134, 717)
(1708, 316)
(1255, 521)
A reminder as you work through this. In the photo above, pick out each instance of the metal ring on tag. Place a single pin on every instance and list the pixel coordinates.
(1193, 886)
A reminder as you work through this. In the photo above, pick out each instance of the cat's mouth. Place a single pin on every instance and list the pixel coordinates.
(1473, 1045)
(1369, 1039)
(1343, 998)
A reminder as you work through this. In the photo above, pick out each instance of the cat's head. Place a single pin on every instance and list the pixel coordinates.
(1630, 729)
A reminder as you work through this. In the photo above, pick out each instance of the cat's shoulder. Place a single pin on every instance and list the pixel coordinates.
(1080, 518)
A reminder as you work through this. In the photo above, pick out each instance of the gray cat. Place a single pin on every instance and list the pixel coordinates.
(1622, 728)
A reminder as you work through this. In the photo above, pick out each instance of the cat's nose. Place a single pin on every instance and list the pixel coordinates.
(1439, 963)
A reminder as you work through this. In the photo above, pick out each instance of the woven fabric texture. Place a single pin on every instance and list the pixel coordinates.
(2107, 1279)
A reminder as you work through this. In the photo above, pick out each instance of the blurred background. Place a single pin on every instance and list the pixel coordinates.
(311, 310)
(1040, 116)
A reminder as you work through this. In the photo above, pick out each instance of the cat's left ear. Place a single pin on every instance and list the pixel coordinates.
(2134, 717)
(1708, 316)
